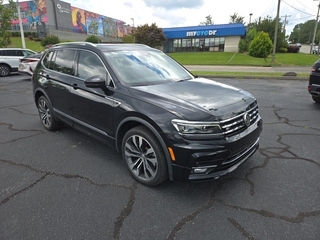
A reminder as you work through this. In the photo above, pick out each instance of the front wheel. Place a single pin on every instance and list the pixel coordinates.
(144, 156)
(316, 99)
(4, 70)
(46, 115)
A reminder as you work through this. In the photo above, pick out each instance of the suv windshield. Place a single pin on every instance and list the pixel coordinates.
(145, 67)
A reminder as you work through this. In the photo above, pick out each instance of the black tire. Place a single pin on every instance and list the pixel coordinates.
(316, 99)
(144, 156)
(4, 70)
(46, 115)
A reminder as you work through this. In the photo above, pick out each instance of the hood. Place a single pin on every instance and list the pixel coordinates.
(198, 98)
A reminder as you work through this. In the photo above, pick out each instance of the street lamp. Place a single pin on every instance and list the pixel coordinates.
(250, 18)
(134, 37)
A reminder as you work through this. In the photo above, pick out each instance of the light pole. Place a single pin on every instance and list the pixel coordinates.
(21, 28)
(250, 18)
(134, 37)
(315, 28)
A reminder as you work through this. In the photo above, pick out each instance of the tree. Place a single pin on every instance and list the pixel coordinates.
(208, 21)
(303, 32)
(268, 25)
(7, 12)
(150, 35)
(261, 46)
(236, 19)
(245, 42)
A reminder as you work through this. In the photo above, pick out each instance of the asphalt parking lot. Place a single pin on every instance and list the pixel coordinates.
(65, 185)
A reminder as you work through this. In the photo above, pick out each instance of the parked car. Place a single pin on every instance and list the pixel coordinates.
(165, 122)
(315, 50)
(27, 64)
(9, 59)
(314, 82)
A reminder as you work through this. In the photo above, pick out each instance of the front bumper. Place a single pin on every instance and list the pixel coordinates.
(211, 160)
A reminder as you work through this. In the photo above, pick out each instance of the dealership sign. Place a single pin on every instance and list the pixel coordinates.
(201, 33)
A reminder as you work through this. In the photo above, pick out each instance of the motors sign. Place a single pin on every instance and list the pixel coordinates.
(201, 33)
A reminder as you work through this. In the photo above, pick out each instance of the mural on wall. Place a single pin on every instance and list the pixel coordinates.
(113, 28)
(95, 24)
(32, 13)
(78, 20)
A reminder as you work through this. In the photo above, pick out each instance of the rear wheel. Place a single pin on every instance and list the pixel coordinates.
(4, 70)
(46, 115)
(144, 156)
(316, 99)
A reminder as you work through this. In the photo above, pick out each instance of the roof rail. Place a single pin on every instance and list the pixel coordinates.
(79, 43)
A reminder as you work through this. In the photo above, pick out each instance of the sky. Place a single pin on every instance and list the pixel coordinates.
(182, 13)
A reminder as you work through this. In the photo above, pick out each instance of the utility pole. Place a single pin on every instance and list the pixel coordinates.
(315, 28)
(285, 21)
(276, 33)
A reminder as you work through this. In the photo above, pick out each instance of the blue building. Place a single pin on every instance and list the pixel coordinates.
(209, 38)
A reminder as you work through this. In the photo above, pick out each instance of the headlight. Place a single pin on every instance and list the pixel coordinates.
(198, 130)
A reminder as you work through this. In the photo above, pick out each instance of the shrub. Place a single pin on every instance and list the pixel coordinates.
(50, 40)
(261, 46)
(243, 46)
(283, 50)
(93, 39)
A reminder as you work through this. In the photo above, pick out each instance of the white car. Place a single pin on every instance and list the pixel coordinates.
(9, 59)
(27, 64)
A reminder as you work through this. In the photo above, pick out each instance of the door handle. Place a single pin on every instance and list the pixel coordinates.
(75, 86)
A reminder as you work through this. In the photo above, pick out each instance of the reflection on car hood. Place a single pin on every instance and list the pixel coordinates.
(210, 97)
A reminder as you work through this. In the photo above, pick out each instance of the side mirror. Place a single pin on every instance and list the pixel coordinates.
(95, 82)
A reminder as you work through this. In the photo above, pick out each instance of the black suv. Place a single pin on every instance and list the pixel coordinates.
(314, 82)
(164, 121)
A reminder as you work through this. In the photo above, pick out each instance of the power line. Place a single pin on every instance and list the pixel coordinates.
(304, 5)
(298, 9)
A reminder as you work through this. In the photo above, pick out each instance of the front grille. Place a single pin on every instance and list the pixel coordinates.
(237, 124)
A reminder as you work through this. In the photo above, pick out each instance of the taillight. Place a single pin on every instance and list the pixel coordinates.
(27, 60)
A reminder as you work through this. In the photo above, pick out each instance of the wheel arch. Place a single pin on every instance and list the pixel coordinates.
(131, 122)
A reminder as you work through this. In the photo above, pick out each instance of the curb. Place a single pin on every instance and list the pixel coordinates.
(256, 77)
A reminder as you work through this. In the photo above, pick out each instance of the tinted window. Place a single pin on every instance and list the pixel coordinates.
(64, 61)
(14, 53)
(47, 60)
(90, 65)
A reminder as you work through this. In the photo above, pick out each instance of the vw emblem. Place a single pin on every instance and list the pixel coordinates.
(246, 119)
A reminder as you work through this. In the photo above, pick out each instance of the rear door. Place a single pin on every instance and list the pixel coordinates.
(56, 78)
